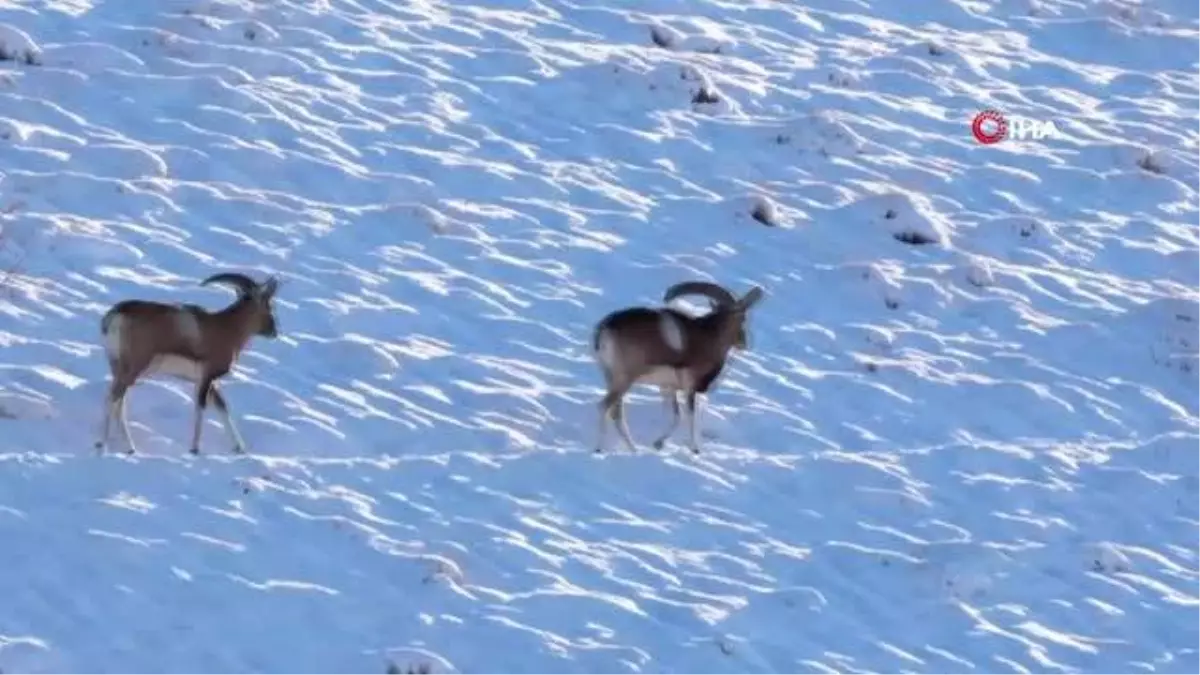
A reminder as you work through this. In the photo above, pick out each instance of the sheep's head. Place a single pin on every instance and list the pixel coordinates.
(724, 302)
(257, 296)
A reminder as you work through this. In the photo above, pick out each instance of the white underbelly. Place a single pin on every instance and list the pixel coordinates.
(174, 366)
(671, 378)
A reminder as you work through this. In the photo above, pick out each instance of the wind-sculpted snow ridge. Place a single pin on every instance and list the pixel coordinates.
(963, 439)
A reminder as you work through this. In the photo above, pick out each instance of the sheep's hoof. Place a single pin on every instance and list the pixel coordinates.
(658, 445)
(239, 450)
(195, 451)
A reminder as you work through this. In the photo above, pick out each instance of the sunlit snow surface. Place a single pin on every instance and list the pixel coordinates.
(973, 455)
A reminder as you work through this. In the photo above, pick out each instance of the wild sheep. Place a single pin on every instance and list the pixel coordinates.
(143, 338)
(670, 349)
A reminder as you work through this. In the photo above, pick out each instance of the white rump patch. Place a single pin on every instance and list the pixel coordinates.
(112, 339)
(672, 332)
(606, 352)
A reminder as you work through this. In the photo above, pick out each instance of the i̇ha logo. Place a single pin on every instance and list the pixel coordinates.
(992, 126)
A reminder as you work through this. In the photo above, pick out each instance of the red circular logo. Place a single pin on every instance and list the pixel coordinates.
(989, 127)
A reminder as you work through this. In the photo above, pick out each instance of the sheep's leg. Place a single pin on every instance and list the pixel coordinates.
(693, 413)
(106, 423)
(119, 410)
(602, 411)
(622, 425)
(114, 406)
(606, 411)
(203, 387)
(672, 402)
(612, 406)
(218, 400)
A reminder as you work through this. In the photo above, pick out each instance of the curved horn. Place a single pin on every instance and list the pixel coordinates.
(244, 284)
(720, 296)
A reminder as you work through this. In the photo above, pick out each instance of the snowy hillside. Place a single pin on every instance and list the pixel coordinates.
(964, 438)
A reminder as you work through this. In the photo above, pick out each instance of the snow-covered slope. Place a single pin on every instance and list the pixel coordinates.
(978, 453)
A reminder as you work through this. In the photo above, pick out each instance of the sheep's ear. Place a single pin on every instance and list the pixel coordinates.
(269, 287)
(751, 298)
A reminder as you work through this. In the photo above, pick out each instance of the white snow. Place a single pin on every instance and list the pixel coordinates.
(16, 45)
(976, 451)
